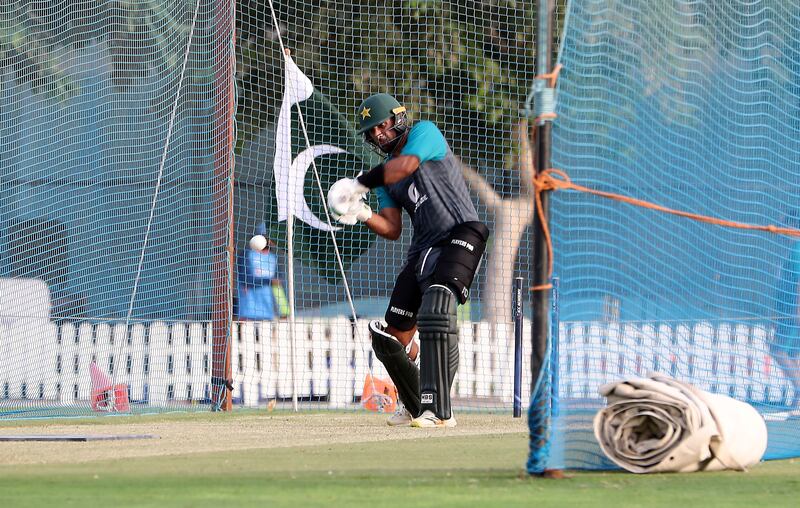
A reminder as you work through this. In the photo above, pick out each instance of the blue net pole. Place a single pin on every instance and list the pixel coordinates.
(554, 338)
(557, 446)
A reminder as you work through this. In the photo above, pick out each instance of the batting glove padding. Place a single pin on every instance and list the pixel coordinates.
(360, 213)
(346, 202)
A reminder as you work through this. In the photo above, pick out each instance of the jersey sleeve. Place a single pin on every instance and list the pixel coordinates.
(426, 142)
(384, 199)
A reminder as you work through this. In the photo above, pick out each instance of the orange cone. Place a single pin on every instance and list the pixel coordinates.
(379, 395)
(106, 397)
(100, 380)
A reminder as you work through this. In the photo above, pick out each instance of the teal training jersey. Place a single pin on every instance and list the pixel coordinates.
(435, 195)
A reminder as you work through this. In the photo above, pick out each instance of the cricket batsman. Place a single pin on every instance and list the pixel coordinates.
(420, 175)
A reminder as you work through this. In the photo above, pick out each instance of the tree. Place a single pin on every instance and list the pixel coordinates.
(36, 39)
(512, 216)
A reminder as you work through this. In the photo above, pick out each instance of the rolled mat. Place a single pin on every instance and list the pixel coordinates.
(659, 424)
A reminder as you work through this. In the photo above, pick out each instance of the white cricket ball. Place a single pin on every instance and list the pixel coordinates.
(258, 242)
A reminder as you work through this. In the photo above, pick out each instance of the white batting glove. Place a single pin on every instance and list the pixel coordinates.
(347, 220)
(344, 195)
(346, 202)
(365, 213)
(360, 212)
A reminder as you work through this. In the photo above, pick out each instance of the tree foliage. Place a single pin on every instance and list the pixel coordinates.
(36, 38)
(467, 66)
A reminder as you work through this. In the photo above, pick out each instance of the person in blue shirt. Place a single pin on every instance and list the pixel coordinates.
(785, 346)
(421, 175)
(257, 272)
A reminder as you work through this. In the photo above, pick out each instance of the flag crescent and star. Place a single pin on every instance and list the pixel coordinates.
(326, 141)
(290, 173)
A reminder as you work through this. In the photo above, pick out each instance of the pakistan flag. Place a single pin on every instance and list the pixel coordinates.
(276, 180)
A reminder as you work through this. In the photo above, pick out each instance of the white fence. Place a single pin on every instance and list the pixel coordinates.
(721, 357)
(166, 363)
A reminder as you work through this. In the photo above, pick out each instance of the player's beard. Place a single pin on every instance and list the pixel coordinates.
(390, 146)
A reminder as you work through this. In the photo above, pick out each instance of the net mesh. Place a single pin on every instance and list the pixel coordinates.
(465, 66)
(694, 106)
(116, 160)
(117, 148)
(118, 191)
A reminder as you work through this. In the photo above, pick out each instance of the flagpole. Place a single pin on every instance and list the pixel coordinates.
(290, 266)
(290, 212)
(290, 283)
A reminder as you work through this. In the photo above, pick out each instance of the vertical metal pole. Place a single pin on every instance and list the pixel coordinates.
(541, 307)
(290, 279)
(223, 264)
(540, 412)
(517, 347)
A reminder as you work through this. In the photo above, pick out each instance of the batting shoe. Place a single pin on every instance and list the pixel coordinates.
(428, 420)
(401, 417)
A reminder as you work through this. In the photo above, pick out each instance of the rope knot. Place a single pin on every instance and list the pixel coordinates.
(548, 180)
(544, 182)
(551, 179)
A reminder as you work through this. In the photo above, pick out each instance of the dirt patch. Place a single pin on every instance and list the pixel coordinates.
(198, 434)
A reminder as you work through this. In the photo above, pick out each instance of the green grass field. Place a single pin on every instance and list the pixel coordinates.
(375, 467)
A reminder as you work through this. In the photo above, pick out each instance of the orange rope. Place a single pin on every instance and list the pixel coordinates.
(555, 179)
(552, 79)
(540, 186)
(551, 76)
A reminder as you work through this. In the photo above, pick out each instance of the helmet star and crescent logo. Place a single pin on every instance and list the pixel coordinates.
(365, 113)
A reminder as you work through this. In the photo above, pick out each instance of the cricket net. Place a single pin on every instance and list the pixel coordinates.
(116, 150)
(139, 141)
(692, 106)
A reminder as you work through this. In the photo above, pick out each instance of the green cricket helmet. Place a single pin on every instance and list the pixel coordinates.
(375, 110)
